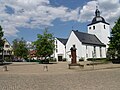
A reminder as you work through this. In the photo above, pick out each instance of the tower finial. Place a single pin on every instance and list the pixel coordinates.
(96, 7)
(97, 12)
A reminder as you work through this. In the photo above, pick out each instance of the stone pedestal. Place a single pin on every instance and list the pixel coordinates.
(5, 68)
(45, 68)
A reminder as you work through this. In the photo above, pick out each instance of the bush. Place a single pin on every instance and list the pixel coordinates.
(52, 59)
(115, 61)
(29, 60)
(101, 60)
(7, 59)
(96, 59)
(81, 59)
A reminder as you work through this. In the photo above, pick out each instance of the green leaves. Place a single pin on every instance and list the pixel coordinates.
(1, 33)
(1, 40)
(114, 46)
(19, 48)
(44, 44)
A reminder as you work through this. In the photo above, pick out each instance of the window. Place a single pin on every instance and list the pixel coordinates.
(94, 51)
(56, 41)
(93, 27)
(89, 27)
(56, 50)
(86, 55)
(56, 46)
(7, 46)
(104, 27)
(100, 52)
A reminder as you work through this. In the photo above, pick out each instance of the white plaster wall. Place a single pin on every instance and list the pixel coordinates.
(81, 49)
(73, 40)
(97, 52)
(103, 52)
(60, 49)
(90, 50)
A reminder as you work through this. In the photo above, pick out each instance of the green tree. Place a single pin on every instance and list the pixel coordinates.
(19, 48)
(114, 46)
(44, 44)
(1, 43)
(1, 40)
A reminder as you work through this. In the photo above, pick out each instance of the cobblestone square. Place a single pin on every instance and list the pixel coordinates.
(58, 77)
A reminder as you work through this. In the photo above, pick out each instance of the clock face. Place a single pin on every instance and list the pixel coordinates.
(98, 19)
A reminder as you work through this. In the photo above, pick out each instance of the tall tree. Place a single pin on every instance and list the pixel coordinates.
(114, 46)
(1, 44)
(44, 44)
(19, 48)
(1, 39)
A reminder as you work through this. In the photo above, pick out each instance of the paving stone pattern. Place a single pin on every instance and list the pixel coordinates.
(103, 79)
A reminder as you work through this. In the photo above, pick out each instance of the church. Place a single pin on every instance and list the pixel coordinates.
(92, 44)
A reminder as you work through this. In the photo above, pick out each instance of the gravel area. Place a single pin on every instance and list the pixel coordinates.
(58, 77)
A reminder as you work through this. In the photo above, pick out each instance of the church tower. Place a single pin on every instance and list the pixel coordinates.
(100, 28)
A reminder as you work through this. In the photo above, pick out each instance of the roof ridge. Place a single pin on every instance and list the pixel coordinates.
(83, 32)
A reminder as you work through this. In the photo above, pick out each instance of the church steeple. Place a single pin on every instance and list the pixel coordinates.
(99, 27)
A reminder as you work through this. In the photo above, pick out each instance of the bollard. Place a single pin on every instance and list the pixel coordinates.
(4, 68)
(45, 68)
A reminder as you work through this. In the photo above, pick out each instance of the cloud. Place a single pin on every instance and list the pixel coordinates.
(31, 14)
(40, 13)
(110, 10)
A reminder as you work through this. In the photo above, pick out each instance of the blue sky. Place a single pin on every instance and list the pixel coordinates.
(27, 18)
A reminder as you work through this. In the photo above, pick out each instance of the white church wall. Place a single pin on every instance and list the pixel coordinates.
(90, 50)
(87, 52)
(103, 52)
(97, 54)
(73, 40)
(83, 52)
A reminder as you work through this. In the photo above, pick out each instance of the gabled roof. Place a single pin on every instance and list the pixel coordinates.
(90, 39)
(7, 41)
(62, 40)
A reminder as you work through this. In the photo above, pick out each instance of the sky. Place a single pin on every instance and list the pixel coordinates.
(27, 18)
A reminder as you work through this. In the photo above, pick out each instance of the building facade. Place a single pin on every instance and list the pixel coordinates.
(100, 28)
(87, 45)
(92, 44)
(60, 49)
(7, 51)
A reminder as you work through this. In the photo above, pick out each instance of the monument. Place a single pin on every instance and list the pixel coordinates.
(73, 58)
(73, 55)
